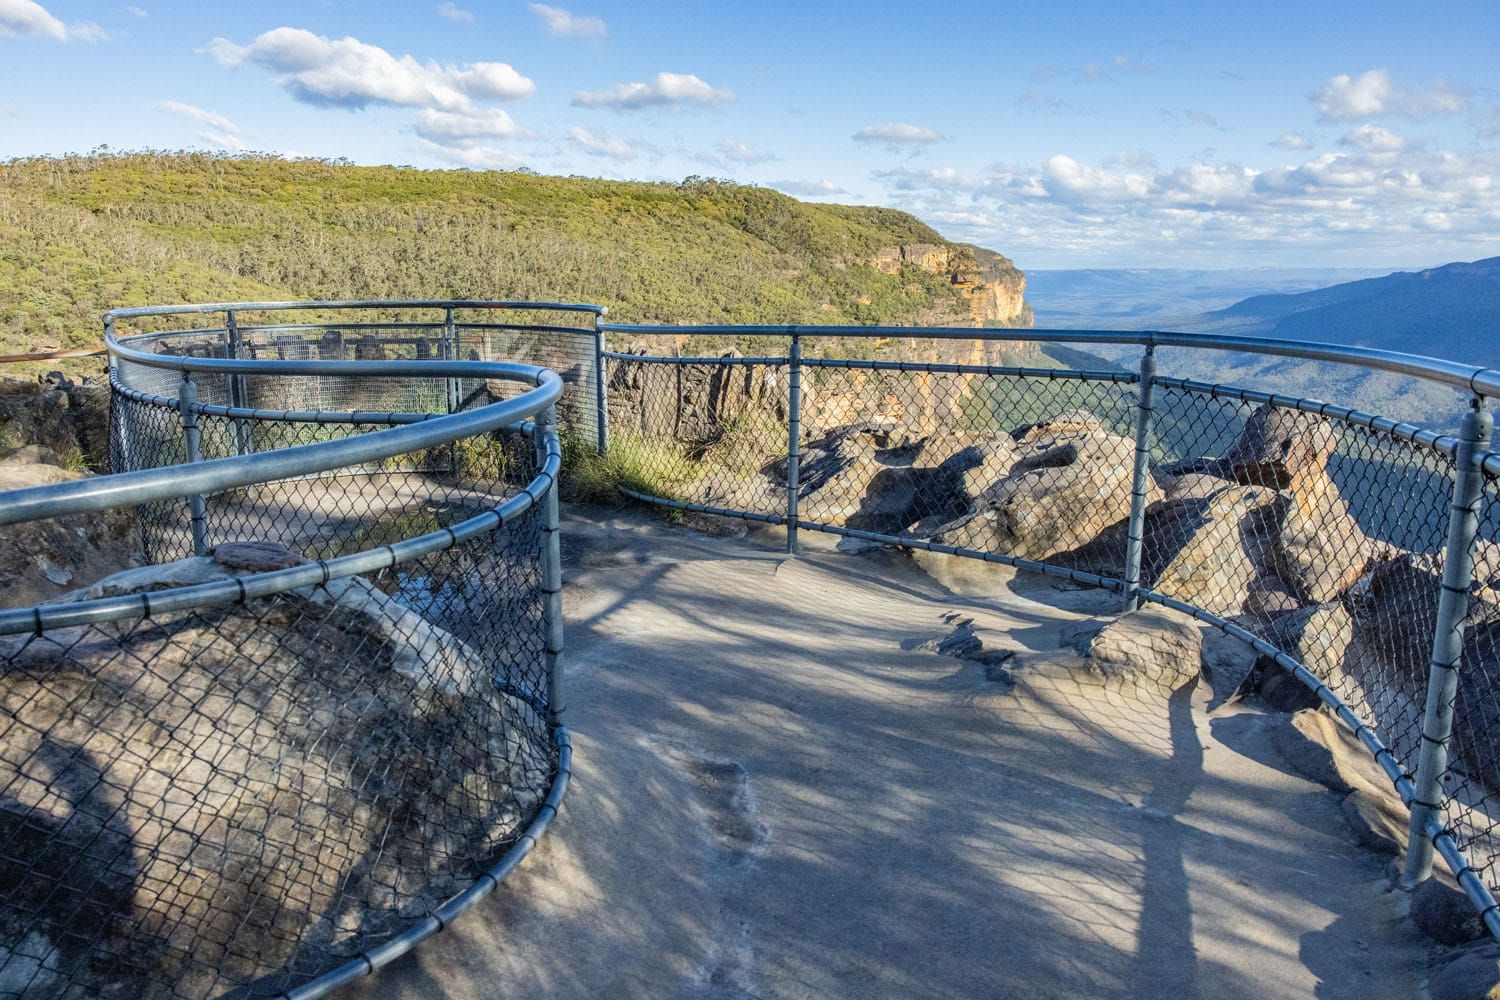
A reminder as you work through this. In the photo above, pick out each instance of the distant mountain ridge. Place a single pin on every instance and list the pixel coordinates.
(1452, 311)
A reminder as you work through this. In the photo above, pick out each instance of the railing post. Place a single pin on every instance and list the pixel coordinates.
(545, 427)
(450, 338)
(239, 393)
(1447, 641)
(187, 403)
(601, 385)
(793, 439)
(1135, 528)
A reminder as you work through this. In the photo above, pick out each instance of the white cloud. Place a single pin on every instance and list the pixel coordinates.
(1293, 141)
(1378, 195)
(23, 18)
(457, 126)
(568, 25)
(134, 11)
(1374, 139)
(218, 130)
(739, 152)
(899, 134)
(1372, 93)
(476, 156)
(1041, 100)
(348, 73)
(454, 12)
(599, 144)
(808, 189)
(665, 89)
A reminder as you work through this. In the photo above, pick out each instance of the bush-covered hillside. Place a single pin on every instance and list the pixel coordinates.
(80, 234)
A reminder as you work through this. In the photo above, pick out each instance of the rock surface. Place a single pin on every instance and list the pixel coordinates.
(1444, 914)
(1473, 975)
(301, 770)
(41, 560)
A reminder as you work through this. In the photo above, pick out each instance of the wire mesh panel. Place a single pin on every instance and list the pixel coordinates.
(1317, 534)
(1029, 464)
(241, 791)
(1471, 783)
(712, 434)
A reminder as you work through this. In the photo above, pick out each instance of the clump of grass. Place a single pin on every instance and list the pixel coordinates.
(652, 467)
(747, 441)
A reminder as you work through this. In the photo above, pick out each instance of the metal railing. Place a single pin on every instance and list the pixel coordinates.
(1359, 553)
(269, 769)
(407, 454)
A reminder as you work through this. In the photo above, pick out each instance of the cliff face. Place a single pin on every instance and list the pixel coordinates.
(991, 285)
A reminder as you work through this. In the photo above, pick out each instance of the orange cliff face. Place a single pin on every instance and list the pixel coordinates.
(991, 285)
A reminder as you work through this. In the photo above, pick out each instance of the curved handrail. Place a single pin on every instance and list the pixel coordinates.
(137, 312)
(1472, 378)
(129, 488)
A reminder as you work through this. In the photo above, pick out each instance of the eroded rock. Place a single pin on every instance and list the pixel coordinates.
(302, 770)
(1444, 914)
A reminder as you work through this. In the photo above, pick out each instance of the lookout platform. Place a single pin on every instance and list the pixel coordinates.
(828, 776)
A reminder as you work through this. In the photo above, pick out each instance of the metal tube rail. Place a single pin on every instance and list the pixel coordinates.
(1447, 642)
(1135, 531)
(137, 312)
(128, 488)
(1472, 378)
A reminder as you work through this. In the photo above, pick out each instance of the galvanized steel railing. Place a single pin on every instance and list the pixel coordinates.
(254, 427)
(424, 538)
(1396, 484)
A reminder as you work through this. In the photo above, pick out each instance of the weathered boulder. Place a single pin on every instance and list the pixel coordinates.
(232, 788)
(843, 479)
(1070, 483)
(1152, 646)
(1275, 445)
(41, 560)
(1318, 549)
(1208, 551)
(1444, 914)
(1317, 636)
(1268, 595)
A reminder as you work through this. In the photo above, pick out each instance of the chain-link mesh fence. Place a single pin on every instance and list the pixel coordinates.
(243, 792)
(1471, 783)
(1317, 530)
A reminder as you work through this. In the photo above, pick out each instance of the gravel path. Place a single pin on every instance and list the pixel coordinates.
(784, 790)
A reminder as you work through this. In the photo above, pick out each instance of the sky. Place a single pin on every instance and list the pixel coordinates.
(1091, 134)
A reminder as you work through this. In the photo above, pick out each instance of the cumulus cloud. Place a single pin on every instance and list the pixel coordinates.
(1377, 194)
(565, 24)
(454, 12)
(460, 126)
(808, 189)
(349, 73)
(218, 130)
(1374, 139)
(899, 134)
(1374, 93)
(599, 144)
(664, 90)
(1293, 141)
(739, 152)
(26, 18)
(475, 156)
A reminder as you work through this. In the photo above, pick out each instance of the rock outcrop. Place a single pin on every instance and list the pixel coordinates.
(223, 792)
(1070, 482)
(991, 285)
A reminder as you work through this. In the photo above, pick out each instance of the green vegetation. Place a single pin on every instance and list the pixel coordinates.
(655, 467)
(80, 234)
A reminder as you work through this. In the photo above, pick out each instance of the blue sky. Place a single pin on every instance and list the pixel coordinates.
(1062, 134)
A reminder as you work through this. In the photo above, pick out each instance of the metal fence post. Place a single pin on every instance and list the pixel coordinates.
(187, 403)
(452, 349)
(1135, 529)
(793, 440)
(1447, 641)
(546, 426)
(239, 392)
(601, 386)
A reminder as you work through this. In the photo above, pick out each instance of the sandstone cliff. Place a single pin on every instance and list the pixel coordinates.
(991, 285)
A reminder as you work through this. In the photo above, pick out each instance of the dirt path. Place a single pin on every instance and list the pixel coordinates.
(784, 790)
